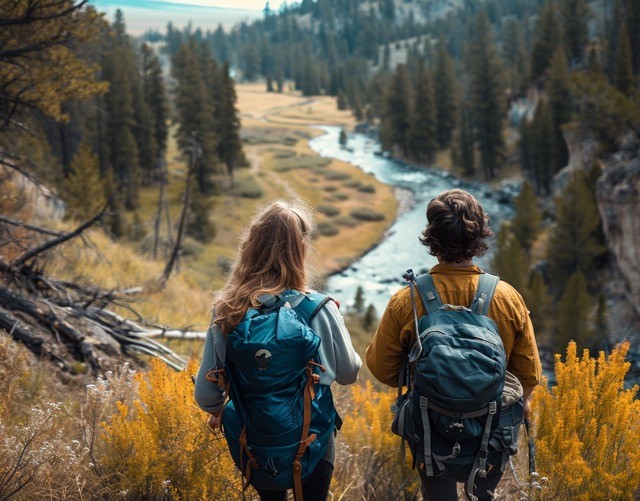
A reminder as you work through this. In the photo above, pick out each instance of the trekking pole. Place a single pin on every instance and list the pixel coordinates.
(416, 349)
(532, 447)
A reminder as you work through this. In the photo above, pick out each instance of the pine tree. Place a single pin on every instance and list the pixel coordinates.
(575, 18)
(229, 143)
(396, 118)
(623, 71)
(423, 119)
(156, 97)
(445, 97)
(199, 223)
(543, 148)
(370, 317)
(575, 315)
(196, 117)
(84, 189)
(465, 145)
(548, 37)
(123, 149)
(143, 129)
(487, 97)
(633, 21)
(514, 56)
(573, 243)
(526, 154)
(510, 261)
(358, 301)
(560, 104)
(538, 302)
(527, 220)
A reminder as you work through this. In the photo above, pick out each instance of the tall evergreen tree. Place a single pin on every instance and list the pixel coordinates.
(396, 118)
(229, 143)
(560, 105)
(487, 97)
(633, 21)
(84, 190)
(623, 77)
(548, 37)
(538, 301)
(573, 243)
(156, 97)
(543, 148)
(423, 123)
(465, 146)
(575, 18)
(575, 315)
(123, 149)
(445, 96)
(514, 57)
(527, 220)
(510, 260)
(195, 116)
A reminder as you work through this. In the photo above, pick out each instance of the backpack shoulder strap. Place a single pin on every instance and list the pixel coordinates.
(428, 293)
(310, 305)
(487, 284)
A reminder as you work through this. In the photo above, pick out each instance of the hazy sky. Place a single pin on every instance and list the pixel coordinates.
(233, 4)
(141, 15)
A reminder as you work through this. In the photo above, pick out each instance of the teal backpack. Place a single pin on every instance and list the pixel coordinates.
(278, 419)
(452, 412)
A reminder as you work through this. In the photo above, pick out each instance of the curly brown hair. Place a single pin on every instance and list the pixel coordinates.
(457, 227)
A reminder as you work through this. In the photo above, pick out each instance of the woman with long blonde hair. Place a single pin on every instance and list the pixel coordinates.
(271, 273)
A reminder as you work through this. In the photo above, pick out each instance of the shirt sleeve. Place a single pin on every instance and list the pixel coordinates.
(336, 351)
(524, 361)
(209, 396)
(386, 354)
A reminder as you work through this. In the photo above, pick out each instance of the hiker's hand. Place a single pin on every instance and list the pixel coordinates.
(527, 408)
(527, 392)
(214, 423)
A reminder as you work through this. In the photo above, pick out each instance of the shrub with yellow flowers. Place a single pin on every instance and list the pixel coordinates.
(369, 463)
(159, 446)
(587, 428)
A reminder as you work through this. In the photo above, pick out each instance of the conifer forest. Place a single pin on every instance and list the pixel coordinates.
(131, 163)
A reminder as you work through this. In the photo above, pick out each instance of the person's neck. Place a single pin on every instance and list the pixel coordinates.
(461, 264)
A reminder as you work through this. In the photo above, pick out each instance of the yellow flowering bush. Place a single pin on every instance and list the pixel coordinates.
(369, 463)
(587, 428)
(160, 447)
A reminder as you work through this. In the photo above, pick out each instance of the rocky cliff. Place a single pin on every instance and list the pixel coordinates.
(619, 203)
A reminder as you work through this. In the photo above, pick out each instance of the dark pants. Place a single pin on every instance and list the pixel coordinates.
(316, 486)
(445, 488)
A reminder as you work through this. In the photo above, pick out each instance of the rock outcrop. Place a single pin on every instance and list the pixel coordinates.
(619, 203)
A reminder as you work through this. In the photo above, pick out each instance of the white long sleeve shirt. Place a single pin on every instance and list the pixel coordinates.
(336, 353)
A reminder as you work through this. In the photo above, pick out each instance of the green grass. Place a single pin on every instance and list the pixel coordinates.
(367, 214)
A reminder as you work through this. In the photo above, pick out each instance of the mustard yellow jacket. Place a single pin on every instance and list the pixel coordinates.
(456, 285)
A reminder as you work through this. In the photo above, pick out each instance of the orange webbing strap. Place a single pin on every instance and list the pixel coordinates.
(219, 377)
(252, 463)
(306, 439)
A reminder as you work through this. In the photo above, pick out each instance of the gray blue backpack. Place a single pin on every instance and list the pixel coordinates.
(452, 412)
(278, 419)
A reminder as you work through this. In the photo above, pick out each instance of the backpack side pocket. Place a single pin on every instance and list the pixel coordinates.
(404, 425)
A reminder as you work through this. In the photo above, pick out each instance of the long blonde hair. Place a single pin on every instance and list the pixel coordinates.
(272, 258)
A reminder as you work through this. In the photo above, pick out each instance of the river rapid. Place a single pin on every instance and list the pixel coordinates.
(380, 270)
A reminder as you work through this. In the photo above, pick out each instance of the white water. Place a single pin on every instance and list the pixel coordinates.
(379, 271)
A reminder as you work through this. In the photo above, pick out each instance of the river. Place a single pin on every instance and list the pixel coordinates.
(380, 270)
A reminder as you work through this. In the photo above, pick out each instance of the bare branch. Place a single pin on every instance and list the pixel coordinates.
(31, 227)
(19, 261)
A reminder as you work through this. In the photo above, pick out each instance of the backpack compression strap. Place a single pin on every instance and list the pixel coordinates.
(487, 284)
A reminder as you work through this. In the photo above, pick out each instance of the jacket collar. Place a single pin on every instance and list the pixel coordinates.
(452, 269)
